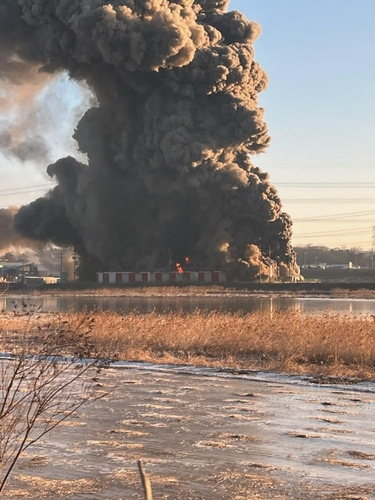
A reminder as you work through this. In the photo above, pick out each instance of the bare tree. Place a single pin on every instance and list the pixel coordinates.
(47, 372)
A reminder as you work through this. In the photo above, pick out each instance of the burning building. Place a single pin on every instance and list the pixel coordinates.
(170, 142)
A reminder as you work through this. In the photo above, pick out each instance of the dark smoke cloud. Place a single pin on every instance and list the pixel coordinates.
(29, 149)
(9, 237)
(169, 144)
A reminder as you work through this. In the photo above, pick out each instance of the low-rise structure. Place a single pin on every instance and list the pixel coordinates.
(164, 277)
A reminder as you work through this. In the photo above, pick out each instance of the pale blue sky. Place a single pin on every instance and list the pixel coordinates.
(320, 109)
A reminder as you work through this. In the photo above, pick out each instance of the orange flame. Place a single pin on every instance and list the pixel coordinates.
(179, 268)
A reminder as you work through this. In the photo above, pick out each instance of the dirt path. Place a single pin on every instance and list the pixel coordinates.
(209, 436)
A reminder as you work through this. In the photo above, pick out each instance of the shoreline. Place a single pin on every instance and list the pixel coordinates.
(305, 289)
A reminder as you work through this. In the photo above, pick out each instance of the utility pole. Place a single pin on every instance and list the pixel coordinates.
(304, 256)
(269, 264)
(23, 270)
(74, 257)
(61, 265)
(169, 259)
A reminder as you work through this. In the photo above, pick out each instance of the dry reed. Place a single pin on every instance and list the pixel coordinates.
(324, 344)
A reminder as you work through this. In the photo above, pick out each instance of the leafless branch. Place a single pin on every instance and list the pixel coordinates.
(46, 378)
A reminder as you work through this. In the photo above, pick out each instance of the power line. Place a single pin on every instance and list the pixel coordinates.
(23, 189)
(314, 166)
(331, 185)
(329, 200)
(23, 193)
(345, 232)
(329, 237)
(335, 216)
(17, 176)
(336, 221)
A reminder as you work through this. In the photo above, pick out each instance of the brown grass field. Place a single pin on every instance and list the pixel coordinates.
(322, 345)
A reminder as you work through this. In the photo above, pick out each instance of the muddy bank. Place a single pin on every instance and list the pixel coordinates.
(209, 435)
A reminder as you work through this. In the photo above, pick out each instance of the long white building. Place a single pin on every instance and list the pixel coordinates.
(164, 277)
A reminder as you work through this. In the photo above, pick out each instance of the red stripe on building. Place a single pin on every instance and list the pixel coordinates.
(105, 277)
(131, 277)
(158, 277)
(215, 277)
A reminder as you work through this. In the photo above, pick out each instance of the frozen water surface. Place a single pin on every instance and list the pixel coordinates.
(211, 434)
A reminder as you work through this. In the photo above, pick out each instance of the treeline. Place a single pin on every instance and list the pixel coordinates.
(315, 255)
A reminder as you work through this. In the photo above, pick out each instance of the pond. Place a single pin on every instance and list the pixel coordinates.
(163, 304)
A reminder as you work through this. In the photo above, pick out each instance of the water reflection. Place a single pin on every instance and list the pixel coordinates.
(163, 304)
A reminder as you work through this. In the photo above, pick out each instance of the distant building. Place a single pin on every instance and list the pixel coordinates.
(43, 271)
(13, 271)
(40, 280)
(338, 266)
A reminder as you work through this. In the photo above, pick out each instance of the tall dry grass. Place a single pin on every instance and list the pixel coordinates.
(323, 344)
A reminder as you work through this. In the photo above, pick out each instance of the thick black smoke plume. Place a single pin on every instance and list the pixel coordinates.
(9, 238)
(169, 144)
